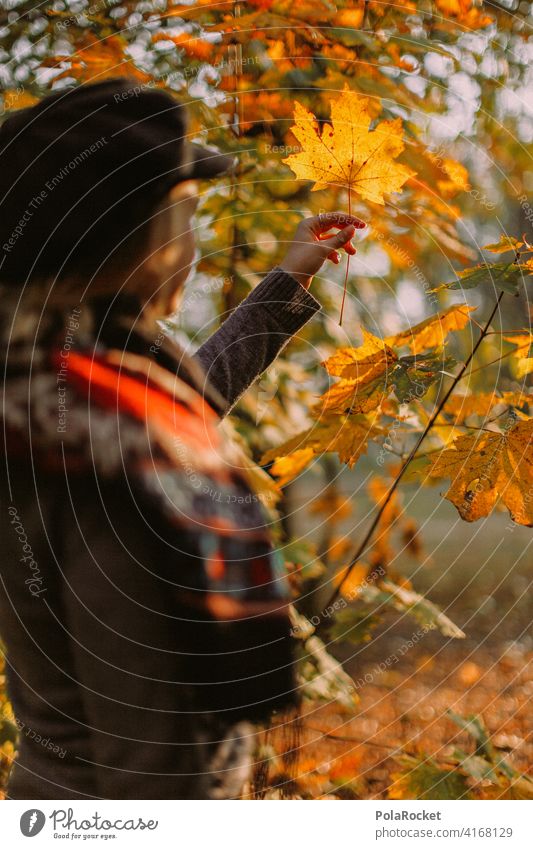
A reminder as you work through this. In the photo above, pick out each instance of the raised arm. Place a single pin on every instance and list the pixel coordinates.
(253, 336)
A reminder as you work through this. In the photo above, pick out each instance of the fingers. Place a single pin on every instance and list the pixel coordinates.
(322, 222)
(341, 239)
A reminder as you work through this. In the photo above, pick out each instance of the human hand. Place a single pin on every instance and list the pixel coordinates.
(313, 244)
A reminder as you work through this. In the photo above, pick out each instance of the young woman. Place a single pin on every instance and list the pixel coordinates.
(142, 606)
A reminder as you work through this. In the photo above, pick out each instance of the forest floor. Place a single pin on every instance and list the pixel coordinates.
(481, 575)
(403, 710)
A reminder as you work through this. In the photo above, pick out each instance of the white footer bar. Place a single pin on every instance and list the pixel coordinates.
(268, 825)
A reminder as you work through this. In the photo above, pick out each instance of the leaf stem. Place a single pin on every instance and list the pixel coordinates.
(369, 534)
(347, 264)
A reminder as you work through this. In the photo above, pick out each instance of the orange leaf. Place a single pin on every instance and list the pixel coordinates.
(487, 466)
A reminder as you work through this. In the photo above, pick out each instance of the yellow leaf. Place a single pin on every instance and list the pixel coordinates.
(505, 243)
(339, 548)
(361, 388)
(364, 363)
(487, 466)
(288, 468)
(352, 18)
(353, 397)
(352, 579)
(432, 332)
(99, 59)
(481, 403)
(332, 504)
(347, 436)
(346, 152)
(524, 350)
(457, 178)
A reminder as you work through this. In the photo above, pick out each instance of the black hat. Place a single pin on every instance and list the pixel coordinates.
(83, 169)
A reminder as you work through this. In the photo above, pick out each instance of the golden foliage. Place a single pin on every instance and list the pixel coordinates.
(359, 369)
(346, 436)
(456, 178)
(523, 353)
(332, 504)
(504, 244)
(432, 332)
(289, 467)
(364, 363)
(196, 48)
(98, 59)
(350, 17)
(465, 12)
(486, 466)
(461, 407)
(352, 580)
(347, 153)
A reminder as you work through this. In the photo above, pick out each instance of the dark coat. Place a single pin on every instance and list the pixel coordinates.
(142, 606)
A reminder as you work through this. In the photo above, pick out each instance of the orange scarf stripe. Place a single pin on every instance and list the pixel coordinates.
(112, 388)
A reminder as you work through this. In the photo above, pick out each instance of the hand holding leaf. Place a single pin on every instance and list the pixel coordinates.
(313, 244)
(347, 154)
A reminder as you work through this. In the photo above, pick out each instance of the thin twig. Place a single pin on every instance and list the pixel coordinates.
(504, 332)
(369, 534)
(341, 738)
(492, 362)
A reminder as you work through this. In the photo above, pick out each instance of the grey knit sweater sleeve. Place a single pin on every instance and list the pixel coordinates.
(253, 336)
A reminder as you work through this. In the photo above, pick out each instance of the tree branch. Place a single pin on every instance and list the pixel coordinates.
(370, 533)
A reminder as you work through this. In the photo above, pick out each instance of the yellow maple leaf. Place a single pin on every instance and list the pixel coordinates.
(363, 363)
(524, 349)
(346, 436)
(354, 397)
(361, 388)
(487, 466)
(346, 152)
(432, 332)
